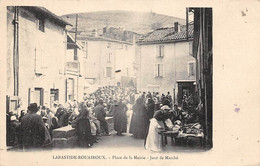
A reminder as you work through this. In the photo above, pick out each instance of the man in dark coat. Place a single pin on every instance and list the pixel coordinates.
(33, 129)
(101, 114)
(120, 118)
(150, 107)
(85, 138)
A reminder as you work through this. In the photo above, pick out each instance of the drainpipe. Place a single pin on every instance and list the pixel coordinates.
(16, 51)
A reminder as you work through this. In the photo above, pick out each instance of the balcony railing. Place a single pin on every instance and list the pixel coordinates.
(72, 66)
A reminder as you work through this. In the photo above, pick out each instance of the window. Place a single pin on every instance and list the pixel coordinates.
(158, 70)
(190, 48)
(40, 66)
(70, 83)
(108, 45)
(191, 68)
(37, 96)
(160, 51)
(109, 55)
(40, 24)
(108, 71)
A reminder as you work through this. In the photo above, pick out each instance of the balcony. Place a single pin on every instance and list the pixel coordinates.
(72, 66)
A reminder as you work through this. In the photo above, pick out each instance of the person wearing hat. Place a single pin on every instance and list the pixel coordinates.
(159, 122)
(32, 128)
(101, 114)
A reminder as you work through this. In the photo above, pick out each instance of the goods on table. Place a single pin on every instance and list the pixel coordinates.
(193, 129)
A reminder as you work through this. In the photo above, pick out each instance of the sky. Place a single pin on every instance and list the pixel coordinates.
(166, 7)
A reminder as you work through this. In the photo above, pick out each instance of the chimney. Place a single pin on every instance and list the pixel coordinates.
(104, 30)
(94, 33)
(177, 27)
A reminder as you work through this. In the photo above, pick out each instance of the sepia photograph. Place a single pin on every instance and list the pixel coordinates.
(108, 77)
(108, 83)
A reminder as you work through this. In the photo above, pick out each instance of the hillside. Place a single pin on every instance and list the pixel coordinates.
(138, 22)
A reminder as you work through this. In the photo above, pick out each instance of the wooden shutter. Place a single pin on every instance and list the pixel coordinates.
(157, 51)
(161, 70)
(155, 70)
(42, 97)
(162, 51)
(29, 96)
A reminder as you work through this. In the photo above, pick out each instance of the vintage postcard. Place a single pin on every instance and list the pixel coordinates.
(130, 82)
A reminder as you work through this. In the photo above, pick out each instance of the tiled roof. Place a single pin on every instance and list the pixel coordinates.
(47, 13)
(101, 38)
(157, 35)
(167, 35)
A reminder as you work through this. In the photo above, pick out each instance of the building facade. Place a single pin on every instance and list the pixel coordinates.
(164, 62)
(107, 60)
(75, 70)
(36, 48)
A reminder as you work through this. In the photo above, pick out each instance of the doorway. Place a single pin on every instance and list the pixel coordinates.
(185, 88)
(54, 96)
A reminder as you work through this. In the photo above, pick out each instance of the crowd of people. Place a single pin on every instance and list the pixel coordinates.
(149, 110)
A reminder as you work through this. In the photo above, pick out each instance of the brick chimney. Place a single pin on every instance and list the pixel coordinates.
(177, 27)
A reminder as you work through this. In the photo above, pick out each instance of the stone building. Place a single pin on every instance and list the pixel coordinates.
(36, 49)
(165, 63)
(107, 60)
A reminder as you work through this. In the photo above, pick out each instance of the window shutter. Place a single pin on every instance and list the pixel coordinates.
(161, 68)
(42, 63)
(190, 49)
(162, 51)
(155, 70)
(38, 66)
(191, 69)
(42, 96)
(29, 96)
(157, 51)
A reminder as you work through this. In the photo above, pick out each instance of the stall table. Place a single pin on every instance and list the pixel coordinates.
(164, 134)
(186, 136)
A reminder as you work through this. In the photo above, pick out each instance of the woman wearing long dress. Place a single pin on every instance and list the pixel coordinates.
(83, 127)
(120, 118)
(158, 123)
(140, 120)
